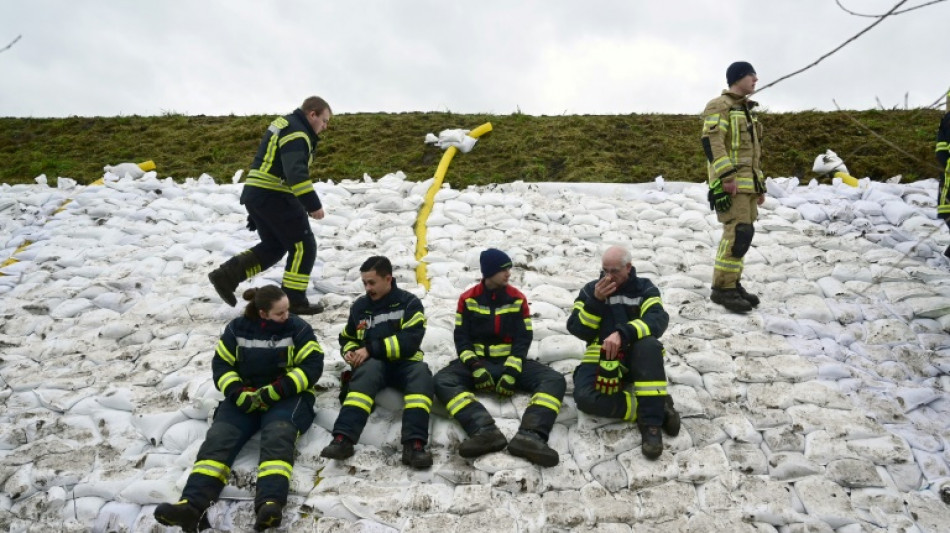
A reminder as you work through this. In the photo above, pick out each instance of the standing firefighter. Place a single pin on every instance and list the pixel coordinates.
(732, 142)
(266, 365)
(381, 342)
(620, 317)
(943, 158)
(279, 196)
(492, 336)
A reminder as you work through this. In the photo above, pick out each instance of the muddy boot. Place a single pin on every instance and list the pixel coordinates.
(532, 448)
(652, 445)
(268, 515)
(306, 308)
(183, 514)
(747, 296)
(341, 448)
(731, 300)
(671, 419)
(485, 440)
(226, 278)
(414, 454)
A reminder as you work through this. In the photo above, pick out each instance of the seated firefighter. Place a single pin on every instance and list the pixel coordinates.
(381, 342)
(266, 365)
(621, 318)
(492, 337)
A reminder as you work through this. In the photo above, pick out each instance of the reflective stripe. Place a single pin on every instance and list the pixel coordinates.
(392, 347)
(630, 415)
(417, 318)
(417, 401)
(302, 188)
(459, 402)
(304, 352)
(472, 305)
(270, 468)
(649, 388)
(514, 362)
(467, 355)
(227, 379)
(643, 330)
(592, 354)
(207, 467)
(624, 300)
(495, 350)
(268, 343)
(458, 319)
(299, 377)
(295, 135)
(587, 319)
(350, 346)
(942, 145)
(722, 164)
(385, 317)
(528, 325)
(723, 264)
(224, 353)
(357, 399)
(297, 257)
(509, 308)
(546, 400)
(650, 302)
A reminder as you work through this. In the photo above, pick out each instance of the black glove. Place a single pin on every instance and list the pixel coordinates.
(482, 377)
(270, 394)
(608, 377)
(246, 399)
(719, 199)
(506, 385)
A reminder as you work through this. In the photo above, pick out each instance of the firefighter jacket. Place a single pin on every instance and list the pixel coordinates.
(390, 329)
(255, 353)
(282, 162)
(943, 157)
(732, 142)
(634, 309)
(494, 324)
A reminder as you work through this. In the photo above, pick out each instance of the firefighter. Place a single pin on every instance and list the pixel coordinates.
(492, 336)
(943, 158)
(266, 365)
(381, 342)
(621, 318)
(731, 140)
(279, 196)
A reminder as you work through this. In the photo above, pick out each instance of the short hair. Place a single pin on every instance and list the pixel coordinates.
(379, 264)
(261, 299)
(315, 103)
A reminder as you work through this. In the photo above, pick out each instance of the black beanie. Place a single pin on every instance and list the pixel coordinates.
(493, 261)
(737, 71)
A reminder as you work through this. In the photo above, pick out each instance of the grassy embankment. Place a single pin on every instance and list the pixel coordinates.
(609, 148)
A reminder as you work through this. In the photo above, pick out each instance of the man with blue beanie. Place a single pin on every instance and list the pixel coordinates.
(492, 335)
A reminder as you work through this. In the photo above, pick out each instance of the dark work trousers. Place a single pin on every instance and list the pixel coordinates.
(644, 359)
(454, 385)
(413, 378)
(231, 429)
(284, 228)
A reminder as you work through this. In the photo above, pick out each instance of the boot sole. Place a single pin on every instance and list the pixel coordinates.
(540, 459)
(498, 446)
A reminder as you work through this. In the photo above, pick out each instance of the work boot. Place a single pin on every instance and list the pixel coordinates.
(946, 252)
(268, 515)
(306, 308)
(731, 300)
(226, 278)
(532, 448)
(341, 448)
(189, 518)
(485, 440)
(747, 296)
(671, 419)
(414, 454)
(652, 445)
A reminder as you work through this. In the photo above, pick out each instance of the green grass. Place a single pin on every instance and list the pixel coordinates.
(577, 148)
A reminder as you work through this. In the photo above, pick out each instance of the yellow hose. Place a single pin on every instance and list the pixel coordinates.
(422, 246)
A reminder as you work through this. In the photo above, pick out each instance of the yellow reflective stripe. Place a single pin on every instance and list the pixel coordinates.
(710, 121)
(510, 308)
(304, 352)
(587, 319)
(943, 208)
(467, 355)
(294, 281)
(472, 305)
(649, 302)
(270, 468)
(546, 400)
(630, 415)
(302, 188)
(643, 330)
(227, 379)
(295, 135)
(592, 354)
(728, 266)
(514, 362)
(224, 353)
(350, 346)
(942, 145)
(459, 402)
(299, 377)
(419, 356)
(745, 183)
(357, 399)
(417, 401)
(722, 164)
(649, 388)
(528, 325)
(297, 258)
(458, 319)
(392, 347)
(215, 469)
(416, 319)
(499, 350)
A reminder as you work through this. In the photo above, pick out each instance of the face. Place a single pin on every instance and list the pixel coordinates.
(319, 122)
(746, 85)
(279, 312)
(376, 286)
(615, 269)
(499, 279)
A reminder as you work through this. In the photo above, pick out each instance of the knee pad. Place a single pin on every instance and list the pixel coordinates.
(278, 439)
(744, 234)
(220, 441)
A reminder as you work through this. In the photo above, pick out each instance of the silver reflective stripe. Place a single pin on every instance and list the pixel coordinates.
(392, 315)
(269, 343)
(273, 129)
(625, 300)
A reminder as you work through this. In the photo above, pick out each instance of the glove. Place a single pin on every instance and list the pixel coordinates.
(483, 379)
(608, 377)
(718, 198)
(270, 394)
(246, 399)
(506, 385)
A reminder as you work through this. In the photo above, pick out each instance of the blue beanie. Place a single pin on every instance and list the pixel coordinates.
(493, 261)
(737, 71)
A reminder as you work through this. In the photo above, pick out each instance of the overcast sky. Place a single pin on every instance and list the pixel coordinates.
(220, 57)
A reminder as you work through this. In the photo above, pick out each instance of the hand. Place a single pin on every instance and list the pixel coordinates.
(246, 399)
(730, 187)
(719, 198)
(604, 288)
(608, 377)
(761, 199)
(318, 214)
(506, 385)
(611, 345)
(270, 394)
(356, 357)
(483, 379)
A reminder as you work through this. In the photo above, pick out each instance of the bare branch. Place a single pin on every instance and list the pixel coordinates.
(848, 11)
(7, 47)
